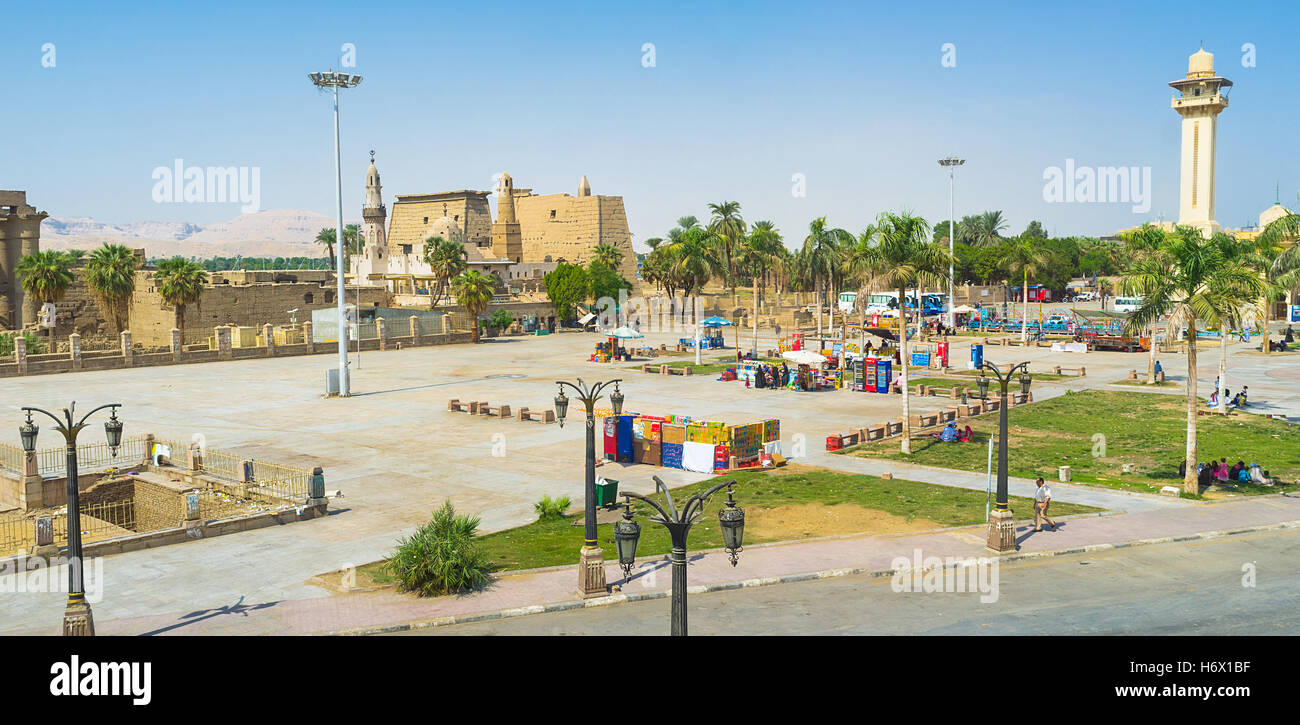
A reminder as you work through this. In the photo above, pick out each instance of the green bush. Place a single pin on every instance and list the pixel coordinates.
(35, 345)
(441, 557)
(501, 319)
(549, 508)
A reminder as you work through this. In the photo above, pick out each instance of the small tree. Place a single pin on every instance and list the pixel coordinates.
(180, 282)
(566, 286)
(501, 319)
(110, 274)
(473, 290)
(46, 276)
(440, 557)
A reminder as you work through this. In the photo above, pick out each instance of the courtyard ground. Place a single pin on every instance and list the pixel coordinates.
(397, 453)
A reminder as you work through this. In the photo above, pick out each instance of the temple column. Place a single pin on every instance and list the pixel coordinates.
(29, 242)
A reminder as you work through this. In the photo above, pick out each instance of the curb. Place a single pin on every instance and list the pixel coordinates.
(787, 579)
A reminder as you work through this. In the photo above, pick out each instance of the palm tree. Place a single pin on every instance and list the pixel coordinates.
(694, 259)
(766, 239)
(1278, 263)
(729, 227)
(984, 230)
(608, 254)
(1025, 259)
(446, 259)
(752, 259)
(352, 241)
(180, 282)
(897, 254)
(473, 291)
(1192, 280)
(824, 249)
(110, 274)
(326, 237)
(654, 242)
(46, 277)
(1144, 242)
(683, 223)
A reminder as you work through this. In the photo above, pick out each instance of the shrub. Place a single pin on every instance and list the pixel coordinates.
(441, 557)
(549, 508)
(35, 344)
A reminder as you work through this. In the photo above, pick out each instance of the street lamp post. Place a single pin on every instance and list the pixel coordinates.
(1002, 527)
(77, 618)
(335, 81)
(951, 163)
(591, 562)
(627, 531)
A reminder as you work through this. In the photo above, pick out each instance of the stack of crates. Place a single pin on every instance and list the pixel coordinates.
(771, 430)
(717, 434)
(674, 436)
(747, 442)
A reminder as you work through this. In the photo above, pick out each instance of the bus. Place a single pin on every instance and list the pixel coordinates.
(1037, 293)
(881, 302)
(846, 301)
(1127, 304)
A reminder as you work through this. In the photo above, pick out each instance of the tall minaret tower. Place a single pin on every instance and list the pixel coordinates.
(374, 252)
(373, 212)
(1201, 97)
(507, 240)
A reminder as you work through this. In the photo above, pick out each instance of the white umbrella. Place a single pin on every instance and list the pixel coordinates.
(624, 333)
(963, 309)
(804, 357)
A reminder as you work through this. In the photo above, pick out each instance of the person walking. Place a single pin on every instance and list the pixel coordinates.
(1042, 498)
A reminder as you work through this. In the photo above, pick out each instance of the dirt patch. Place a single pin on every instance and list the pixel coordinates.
(795, 521)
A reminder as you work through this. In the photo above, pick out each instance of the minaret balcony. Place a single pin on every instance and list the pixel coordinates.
(1209, 100)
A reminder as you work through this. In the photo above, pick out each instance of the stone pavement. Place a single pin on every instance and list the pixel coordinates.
(553, 589)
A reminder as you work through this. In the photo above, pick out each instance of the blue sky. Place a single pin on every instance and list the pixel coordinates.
(742, 96)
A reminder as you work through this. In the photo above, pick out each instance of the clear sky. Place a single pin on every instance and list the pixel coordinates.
(741, 97)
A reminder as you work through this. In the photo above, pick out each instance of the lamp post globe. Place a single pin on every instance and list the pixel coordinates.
(626, 535)
(27, 432)
(732, 521)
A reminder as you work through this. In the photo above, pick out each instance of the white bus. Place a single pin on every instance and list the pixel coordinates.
(1127, 304)
(846, 301)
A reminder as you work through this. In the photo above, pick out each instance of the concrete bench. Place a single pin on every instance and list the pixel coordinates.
(894, 427)
(925, 420)
(495, 411)
(876, 433)
(972, 409)
(947, 414)
(1079, 371)
(471, 407)
(1132, 375)
(648, 368)
(686, 370)
(538, 416)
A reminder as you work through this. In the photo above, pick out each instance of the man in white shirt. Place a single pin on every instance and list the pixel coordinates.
(1042, 497)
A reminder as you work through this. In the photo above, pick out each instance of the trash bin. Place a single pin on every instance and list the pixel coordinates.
(606, 492)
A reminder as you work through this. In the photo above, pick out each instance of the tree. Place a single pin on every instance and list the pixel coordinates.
(566, 286)
(473, 290)
(608, 254)
(1034, 230)
(326, 237)
(1193, 281)
(824, 249)
(110, 274)
(1274, 257)
(729, 227)
(501, 318)
(180, 282)
(1144, 242)
(441, 557)
(1026, 258)
(654, 242)
(446, 259)
(982, 230)
(694, 259)
(45, 277)
(604, 281)
(897, 254)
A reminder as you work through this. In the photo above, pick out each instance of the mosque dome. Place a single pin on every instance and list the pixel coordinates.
(445, 227)
(1200, 64)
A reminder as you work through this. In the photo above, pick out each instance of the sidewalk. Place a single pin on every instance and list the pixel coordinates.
(554, 589)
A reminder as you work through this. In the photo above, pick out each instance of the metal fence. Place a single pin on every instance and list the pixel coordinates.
(282, 482)
(16, 532)
(90, 457)
(221, 465)
(11, 458)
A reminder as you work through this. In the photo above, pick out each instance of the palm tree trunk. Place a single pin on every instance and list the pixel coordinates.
(902, 363)
(1151, 355)
(1190, 484)
(1024, 314)
(755, 316)
(1267, 302)
(1223, 368)
(817, 293)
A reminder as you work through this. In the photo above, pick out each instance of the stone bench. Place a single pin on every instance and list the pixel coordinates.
(947, 414)
(495, 411)
(972, 409)
(894, 427)
(538, 416)
(648, 368)
(676, 371)
(1080, 371)
(456, 406)
(925, 420)
(875, 433)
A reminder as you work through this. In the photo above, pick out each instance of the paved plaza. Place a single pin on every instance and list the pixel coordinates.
(396, 452)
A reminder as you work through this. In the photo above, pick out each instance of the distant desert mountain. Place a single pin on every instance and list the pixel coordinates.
(272, 233)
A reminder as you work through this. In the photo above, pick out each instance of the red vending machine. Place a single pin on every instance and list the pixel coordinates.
(943, 354)
(611, 438)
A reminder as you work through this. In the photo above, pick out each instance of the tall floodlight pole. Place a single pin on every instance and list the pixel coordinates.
(951, 162)
(330, 79)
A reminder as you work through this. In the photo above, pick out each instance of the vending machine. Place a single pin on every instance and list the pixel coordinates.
(943, 354)
(976, 356)
(883, 366)
(611, 438)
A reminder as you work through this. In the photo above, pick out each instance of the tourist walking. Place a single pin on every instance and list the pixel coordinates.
(1042, 497)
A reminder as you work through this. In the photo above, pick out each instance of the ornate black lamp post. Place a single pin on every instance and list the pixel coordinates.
(591, 564)
(1002, 527)
(627, 531)
(77, 619)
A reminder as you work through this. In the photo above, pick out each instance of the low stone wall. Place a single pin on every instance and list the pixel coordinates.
(23, 364)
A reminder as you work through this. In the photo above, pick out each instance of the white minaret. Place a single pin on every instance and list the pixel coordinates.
(1201, 97)
(372, 260)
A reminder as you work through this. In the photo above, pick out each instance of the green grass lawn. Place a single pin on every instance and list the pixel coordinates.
(1147, 431)
(556, 542)
(1142, 381)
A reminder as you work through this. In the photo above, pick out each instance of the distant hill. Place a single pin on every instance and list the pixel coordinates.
(272, 233)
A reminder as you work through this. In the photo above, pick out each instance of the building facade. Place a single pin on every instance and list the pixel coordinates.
(20, 235)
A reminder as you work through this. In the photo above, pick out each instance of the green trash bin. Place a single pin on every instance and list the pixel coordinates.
(606, 492)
